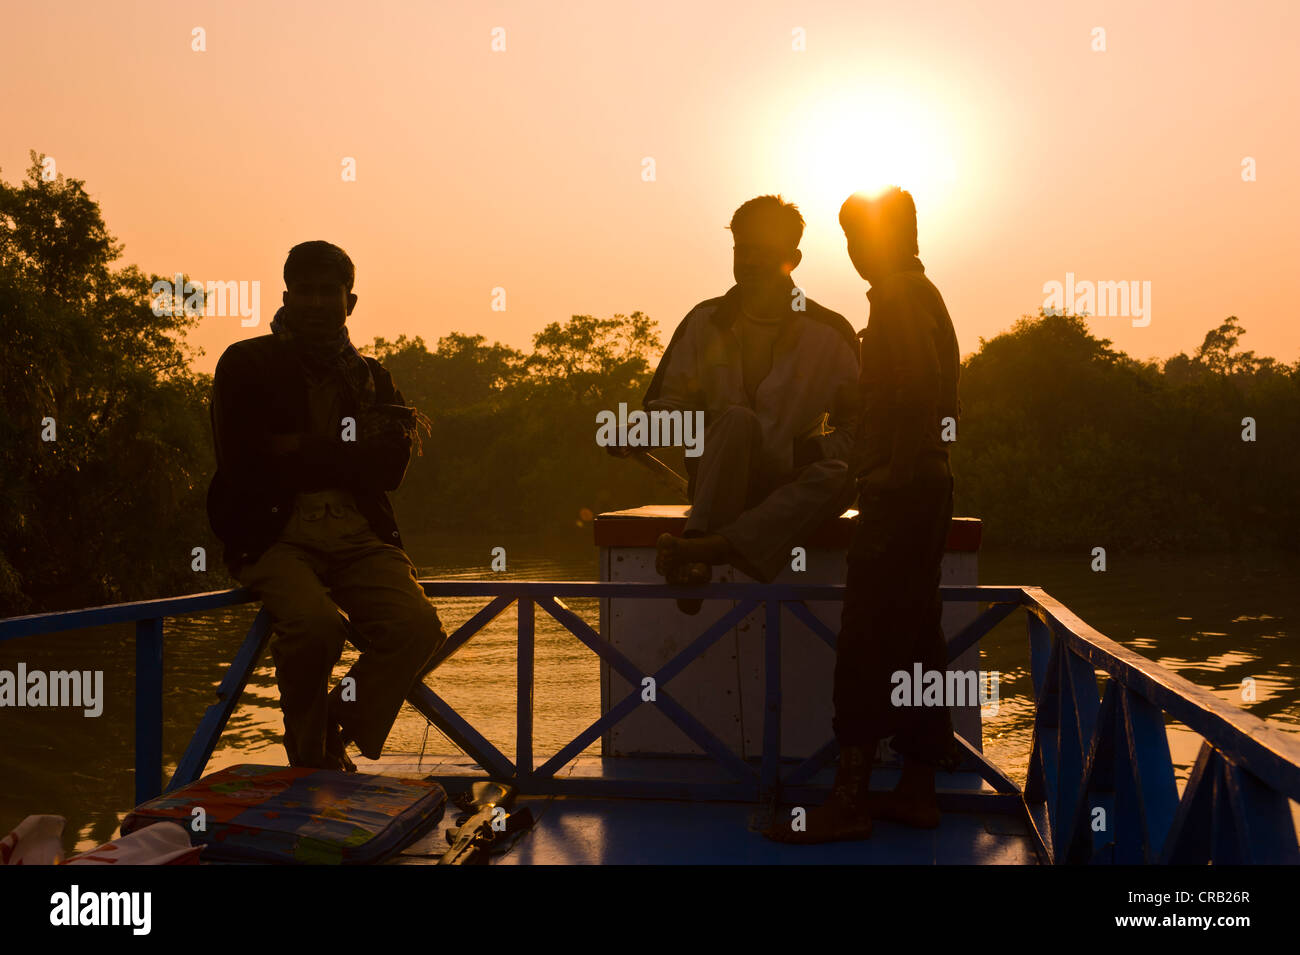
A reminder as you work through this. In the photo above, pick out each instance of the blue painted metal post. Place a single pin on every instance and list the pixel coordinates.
(524, 723)
(213, 724)
(1040, 651)
(148, 708)
(1235, 807)
(772, 701)
(688, 724)
(471, 742)
(769, 780)
(1154, 790)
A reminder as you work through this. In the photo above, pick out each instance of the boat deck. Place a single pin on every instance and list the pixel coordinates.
(598, 830)
(1100, 743)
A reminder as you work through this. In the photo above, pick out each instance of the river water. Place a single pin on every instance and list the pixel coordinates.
(1216, 620)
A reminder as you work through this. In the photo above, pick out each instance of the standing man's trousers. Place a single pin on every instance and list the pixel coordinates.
(328, 558)
(893, 619)
(762, 515)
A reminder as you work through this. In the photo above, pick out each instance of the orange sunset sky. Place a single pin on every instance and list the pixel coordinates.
(1029, 153)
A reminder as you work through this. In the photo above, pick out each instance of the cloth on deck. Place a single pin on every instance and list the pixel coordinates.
(37, 840)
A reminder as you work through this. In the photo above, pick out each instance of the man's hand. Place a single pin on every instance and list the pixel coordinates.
(384, 424)
(620, 450)
(819, 428)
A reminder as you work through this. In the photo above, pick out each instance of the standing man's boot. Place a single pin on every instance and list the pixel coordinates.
(844, 816)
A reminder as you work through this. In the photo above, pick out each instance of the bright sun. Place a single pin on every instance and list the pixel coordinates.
(864, 140)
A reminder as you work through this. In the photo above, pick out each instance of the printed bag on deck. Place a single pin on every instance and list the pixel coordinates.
(250, 813)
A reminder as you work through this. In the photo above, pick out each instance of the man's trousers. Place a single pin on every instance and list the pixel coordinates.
(762, 515)
(892, 620)
(328, 558)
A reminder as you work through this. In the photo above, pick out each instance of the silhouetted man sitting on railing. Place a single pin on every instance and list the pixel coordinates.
(775, 375)
(892, 607)
(310, 435)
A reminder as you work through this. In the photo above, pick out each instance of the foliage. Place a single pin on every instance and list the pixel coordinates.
(111, 508)
(1063, 442)
(513, 443)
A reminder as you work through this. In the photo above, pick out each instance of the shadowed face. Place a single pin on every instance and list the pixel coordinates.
(761, 259)
(317, 304)
(866, 255)
(878, 237)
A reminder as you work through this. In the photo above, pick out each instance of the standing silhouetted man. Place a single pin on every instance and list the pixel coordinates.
(310, 435)
(775, 375)
(892, 608)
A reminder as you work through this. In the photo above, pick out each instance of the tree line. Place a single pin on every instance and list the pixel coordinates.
(1064, 441)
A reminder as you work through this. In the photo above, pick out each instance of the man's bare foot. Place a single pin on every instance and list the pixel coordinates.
(693, 573)
(666, 559)
(690, 605)
(674, 554)
(915, 810)
(678, 569)
(681, 562)
(705, 549)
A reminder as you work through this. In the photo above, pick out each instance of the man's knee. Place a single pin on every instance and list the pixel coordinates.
(417, 627)
(830, 480)
(429, 632)
(840, 477)
(309, 634)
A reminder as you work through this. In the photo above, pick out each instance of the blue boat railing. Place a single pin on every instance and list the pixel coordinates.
(1100, 786)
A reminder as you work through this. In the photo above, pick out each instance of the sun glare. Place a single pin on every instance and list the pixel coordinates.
(862, 142)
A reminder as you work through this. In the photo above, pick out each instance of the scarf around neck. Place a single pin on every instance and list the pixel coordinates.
(338, 356)
(333, 356)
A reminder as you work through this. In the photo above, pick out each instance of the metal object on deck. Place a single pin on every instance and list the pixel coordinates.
(486, 820)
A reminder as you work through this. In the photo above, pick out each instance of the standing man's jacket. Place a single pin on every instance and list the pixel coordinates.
(814, 371)
(910, 367)
(260, 390)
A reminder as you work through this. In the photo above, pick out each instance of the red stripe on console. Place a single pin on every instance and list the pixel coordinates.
(640, 529)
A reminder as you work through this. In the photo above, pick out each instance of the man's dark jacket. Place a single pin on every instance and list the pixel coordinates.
(260, 390)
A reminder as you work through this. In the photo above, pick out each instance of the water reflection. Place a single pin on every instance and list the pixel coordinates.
(1220, 622)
